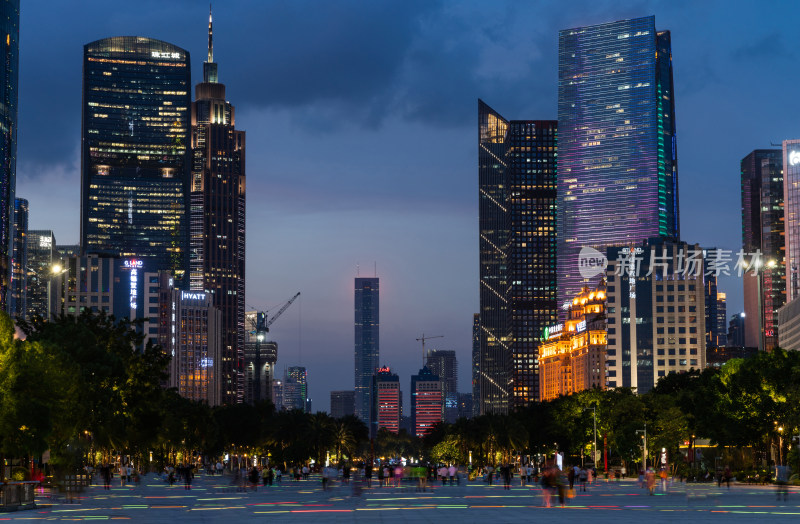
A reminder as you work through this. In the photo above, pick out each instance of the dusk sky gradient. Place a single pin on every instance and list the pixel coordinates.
(361, 122)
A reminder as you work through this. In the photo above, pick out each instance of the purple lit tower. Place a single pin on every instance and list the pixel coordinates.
(617, 163)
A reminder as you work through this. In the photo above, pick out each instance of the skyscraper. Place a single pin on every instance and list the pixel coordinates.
(444, 364)
(791, 211)
(42, 254)
(517, 217)
(217, 218)
(135, 151)
(194, 341)
(763, 230)
(476, 365)
(295, 389)
(387, 406)
(426, 401)
(9, 93)
(260, 356)
(18, 289)
(617, 160)
(367, 343)
(656, 317)
(342, 403)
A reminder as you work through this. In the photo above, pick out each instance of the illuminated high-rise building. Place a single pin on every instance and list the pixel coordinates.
(791, 210)
(42, 254)
(9, 94)
(367, 343)
(342, 403)
(617, 157)
(217, 218)
(517, 217)
(18, 288)
(444, 364)
(387, 406)
(763, 230)
(135, 151)
(260, 356)
(426, 401)
(295, 389)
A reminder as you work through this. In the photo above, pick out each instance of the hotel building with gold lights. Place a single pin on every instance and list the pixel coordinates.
(572, 354)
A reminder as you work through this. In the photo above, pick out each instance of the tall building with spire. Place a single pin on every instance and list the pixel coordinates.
(367, 344)
(217, 218)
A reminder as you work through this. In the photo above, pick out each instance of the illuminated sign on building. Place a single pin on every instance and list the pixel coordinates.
(552, 331)
(206, 362)
(134, 280)
(581, 326)
(794, 158)
(188, 295)
(161, 54)
(133, 263)
(45, 242)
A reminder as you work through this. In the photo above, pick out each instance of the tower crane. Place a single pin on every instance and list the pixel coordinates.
(422, 339)
(260, 325)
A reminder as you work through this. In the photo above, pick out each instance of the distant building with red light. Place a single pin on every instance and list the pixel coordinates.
(387, 406)
(426, 401)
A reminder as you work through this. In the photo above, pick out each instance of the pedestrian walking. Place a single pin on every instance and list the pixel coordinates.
(451, 471)
(583, 476)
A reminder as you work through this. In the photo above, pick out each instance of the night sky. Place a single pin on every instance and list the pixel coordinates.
(361, 125)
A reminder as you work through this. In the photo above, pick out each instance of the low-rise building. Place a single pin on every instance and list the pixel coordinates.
(572, 355)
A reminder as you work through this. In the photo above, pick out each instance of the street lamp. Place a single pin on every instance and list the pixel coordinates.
(594, 445)
(644, 445)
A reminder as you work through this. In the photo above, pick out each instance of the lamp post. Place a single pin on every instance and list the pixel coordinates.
(594, 445)
(644, 445)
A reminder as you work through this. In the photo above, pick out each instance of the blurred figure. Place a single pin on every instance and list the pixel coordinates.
(782, 474)
(583, 476)
(663, 475)
(650, 480)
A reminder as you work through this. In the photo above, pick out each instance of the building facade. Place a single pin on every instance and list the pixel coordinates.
(367, 344)
(617, 155)
(736, 331)
(135, 151)
(342, 403)
(572, 355)
(656, 312)
(9, 91)
(217, 218)
(426, 402)
(260, 356)
(791, 212)
(443, 363)
(465, 405)
(42, 255)
(476, 364)
(517, 219)
(789, 326)
(295, 389)
(387, 407)
(195, 343)
(18, 286)
(763, 231)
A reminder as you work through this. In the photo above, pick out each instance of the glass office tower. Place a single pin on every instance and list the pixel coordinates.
(18, 289)
(763, 230)
(367, 343)
(9, 91)
(217, 219)
(791, 211)
(617, 162)
(135, 151)
(517, 216)
(42, 254)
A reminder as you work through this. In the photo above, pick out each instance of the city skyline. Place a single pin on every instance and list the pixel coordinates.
(428, 281)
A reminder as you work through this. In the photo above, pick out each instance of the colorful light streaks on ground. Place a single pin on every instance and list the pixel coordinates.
(212, 499)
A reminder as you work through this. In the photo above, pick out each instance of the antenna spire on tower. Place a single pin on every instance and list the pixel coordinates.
(210, 40)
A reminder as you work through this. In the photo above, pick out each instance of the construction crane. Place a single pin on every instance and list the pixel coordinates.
(260, 326)
(422, 339)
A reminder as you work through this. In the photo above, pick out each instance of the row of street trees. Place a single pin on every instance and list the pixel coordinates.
(83, 386)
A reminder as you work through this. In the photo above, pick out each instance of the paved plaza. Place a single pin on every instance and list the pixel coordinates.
(215, 499)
